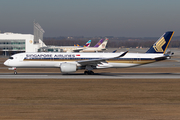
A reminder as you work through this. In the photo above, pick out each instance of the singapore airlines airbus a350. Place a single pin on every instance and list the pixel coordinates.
(71, 62)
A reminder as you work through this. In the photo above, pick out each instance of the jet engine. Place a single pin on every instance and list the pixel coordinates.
(68, 67)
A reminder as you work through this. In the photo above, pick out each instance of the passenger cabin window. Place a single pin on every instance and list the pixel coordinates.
(11, 58)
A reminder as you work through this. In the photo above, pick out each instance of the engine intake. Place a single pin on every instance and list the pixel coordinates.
(68, 67)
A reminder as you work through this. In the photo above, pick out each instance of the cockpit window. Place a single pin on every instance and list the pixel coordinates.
(11, 58)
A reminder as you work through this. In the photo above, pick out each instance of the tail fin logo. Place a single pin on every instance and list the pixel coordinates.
(99, 43)
(103, 45)
(158, 46)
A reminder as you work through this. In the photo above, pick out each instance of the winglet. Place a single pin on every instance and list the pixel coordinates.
(122, 54)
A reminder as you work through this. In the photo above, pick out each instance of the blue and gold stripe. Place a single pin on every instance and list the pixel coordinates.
(116, 60)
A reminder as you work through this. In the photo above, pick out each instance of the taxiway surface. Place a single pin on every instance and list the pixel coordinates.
(95, 76)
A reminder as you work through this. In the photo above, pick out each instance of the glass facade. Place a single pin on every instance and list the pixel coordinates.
(46, 49)
(12, 45)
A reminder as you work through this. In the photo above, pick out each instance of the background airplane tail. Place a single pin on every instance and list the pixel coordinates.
(88, 44)
(103, 45)
(99, 43)
(162, 43)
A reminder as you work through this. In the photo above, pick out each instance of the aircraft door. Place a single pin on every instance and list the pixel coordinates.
(138, 58)
(21, 58)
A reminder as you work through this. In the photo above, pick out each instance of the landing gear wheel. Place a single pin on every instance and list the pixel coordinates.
(88, 72)
(15, 72)
(91, 73)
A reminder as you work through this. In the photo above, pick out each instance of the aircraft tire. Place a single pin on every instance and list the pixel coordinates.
(15, 73)
(86, 72)
(91, 73)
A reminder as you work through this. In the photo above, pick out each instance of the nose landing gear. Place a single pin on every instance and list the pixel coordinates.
(15, 72)
(13, 68)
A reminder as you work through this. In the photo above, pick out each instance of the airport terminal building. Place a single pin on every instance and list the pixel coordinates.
(11, 43)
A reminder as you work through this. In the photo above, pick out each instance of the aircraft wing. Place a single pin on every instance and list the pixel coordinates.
(78, 50)
(98, 61)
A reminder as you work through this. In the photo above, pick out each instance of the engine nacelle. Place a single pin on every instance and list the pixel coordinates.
(68, 67)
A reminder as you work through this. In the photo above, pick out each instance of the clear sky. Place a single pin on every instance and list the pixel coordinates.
(122, 18)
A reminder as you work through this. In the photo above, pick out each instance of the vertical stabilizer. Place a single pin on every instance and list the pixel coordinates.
(88, 44)
(99, 43)
(162, 43)
(103, 45)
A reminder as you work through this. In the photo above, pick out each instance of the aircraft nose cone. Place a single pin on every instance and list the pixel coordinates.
(6, 63)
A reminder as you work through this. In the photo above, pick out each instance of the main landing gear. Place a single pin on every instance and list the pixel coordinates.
(15, 72)
(89, 72)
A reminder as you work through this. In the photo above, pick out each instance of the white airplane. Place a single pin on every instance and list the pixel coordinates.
(99, 47)
(71, 62)
(66, 48)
